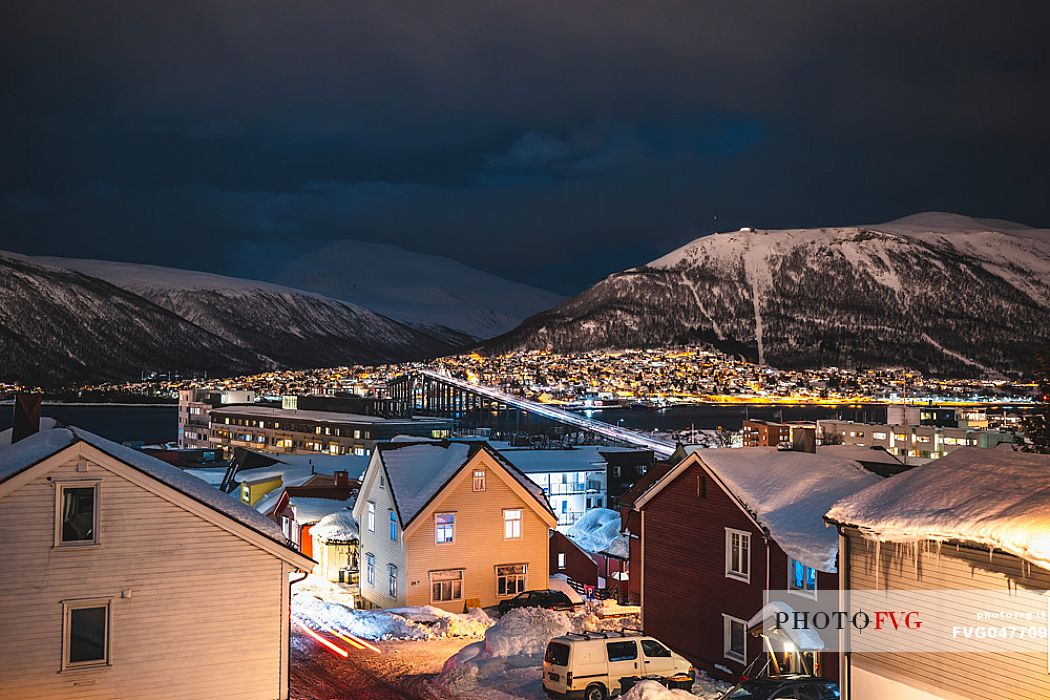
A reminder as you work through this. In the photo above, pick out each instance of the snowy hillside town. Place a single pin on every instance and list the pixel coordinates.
(525, 351)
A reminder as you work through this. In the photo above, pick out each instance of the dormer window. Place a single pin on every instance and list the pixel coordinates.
(479, 479)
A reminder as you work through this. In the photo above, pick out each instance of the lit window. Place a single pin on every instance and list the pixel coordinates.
(76, 514)
(392, 581)
(561, 560)
(512, 524)
(393, 526)
(479, 479)
(446, 585)
(738, 554)
(801, 577)
(370, 568)
(444, 528)
(510, 579)
(85, 636)
(371, 517)
(734, 640)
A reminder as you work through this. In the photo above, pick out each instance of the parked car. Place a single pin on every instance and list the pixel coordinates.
(784, 687)
(589, 665)
(550, 599)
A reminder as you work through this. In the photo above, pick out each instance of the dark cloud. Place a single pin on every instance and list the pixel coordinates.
(550, 142)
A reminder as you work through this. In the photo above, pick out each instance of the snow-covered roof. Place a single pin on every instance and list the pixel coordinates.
(858, 453)
(417, 472)
(46, 423)
(354, 465)
(598, 531)
(318, 416)
(993, 498)
(788, 493)
(539, 461)
(27, 452)
(310, 509)
(340, 526)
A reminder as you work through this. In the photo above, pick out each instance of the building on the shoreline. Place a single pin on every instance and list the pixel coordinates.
(760, 433)
(922, 442)
(195, 407)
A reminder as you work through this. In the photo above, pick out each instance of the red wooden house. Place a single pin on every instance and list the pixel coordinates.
(724, 527)
(301, 507)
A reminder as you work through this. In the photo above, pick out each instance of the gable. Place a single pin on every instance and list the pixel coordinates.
(462, 479)
(90, 456)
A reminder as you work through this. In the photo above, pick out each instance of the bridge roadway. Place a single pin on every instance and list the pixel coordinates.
(662, 448)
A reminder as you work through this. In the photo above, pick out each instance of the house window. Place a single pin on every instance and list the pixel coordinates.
(370, 568)
(735, 636)
(371, 517)
(617, 471)
(445, 528)
(85, 633)
(512, 524)
(479, 479)
(382, 481)
(561, 560)
(738, 554)
(510, 579)
(392, 582)
(446, 586)
(801, 578)
(393, 526)
(76, 514)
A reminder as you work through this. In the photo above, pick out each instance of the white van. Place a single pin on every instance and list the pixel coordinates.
(590, 665)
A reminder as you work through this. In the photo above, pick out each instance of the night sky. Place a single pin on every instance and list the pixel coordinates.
(550, 143)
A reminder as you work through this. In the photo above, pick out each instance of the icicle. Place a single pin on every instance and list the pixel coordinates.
(878, 561)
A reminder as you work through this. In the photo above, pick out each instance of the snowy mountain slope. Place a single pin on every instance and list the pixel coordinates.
(423, 290)
(937, 292)
(58, 325)
(241, 324)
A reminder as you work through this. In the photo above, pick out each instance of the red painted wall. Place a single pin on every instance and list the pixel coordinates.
(578, 566)
(685, 588)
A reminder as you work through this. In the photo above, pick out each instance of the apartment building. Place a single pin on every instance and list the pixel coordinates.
(918, 442)
(760, 433)
(195, 407)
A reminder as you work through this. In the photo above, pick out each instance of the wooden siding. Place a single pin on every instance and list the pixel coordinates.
(378, 543)
(979, 676)
(479, 544)
(685, 590)
(578, 565)
(196, 611)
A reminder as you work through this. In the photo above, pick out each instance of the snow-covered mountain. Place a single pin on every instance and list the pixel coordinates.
(430, 291)
(66, 320)
(937, 292)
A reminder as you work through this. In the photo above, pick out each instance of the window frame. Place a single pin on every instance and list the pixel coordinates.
(391, 583)
(370, 569)
(430, 577)
(370, 516)
(520, 520)
(744, 576)
(60, 488)
(392, 525)
(478, 480)
(68, 606)
(524, 578)
(807, 592)
(438, 528)
(561, 561)
(727, 638)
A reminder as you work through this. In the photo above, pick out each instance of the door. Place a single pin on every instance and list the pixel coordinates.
(623, 661)
(656, 658)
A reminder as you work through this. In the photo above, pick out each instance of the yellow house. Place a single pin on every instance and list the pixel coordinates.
(253, 489)
(125, 577)
(450, 525)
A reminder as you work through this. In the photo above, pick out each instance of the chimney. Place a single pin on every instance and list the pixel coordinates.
(27, 416)
(342, 478)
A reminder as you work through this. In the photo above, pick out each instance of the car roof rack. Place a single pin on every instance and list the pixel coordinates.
(607, 634)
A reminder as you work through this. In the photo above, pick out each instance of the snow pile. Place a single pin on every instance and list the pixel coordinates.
(789, 492)
(340, 526)
(703, 688)
(599, 531)
(995, 498)
(309, 510)
(560, 582)
(514, 647)
(398, 623)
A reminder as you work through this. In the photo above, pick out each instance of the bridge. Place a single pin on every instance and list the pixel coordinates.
(433, 393)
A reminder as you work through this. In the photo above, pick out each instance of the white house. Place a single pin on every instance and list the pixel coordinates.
(125, 578)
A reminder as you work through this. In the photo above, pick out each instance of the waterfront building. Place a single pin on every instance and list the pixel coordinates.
(916, 443)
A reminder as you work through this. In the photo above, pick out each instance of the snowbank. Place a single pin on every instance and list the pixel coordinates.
(560, 582)
(599, 531)
(651, 690)
(513, 648)
(399, 623)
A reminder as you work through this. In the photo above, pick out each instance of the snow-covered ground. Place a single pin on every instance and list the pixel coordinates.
(328, 606)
